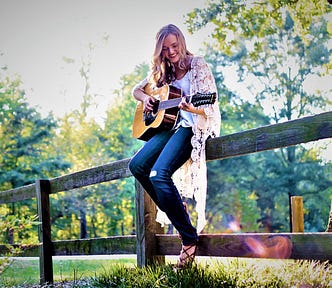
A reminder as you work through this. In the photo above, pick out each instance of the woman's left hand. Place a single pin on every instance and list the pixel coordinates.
(188, 107)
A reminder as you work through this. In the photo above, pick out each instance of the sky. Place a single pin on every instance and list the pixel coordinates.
(38, 35)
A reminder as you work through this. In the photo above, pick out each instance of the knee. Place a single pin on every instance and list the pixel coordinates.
(154, 177)
(159, 178)
(133, 167)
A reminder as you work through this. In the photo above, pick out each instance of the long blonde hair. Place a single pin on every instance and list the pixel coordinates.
(163, 71)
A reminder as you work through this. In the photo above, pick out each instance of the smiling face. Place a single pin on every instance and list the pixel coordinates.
(170, 49)
(170, 55)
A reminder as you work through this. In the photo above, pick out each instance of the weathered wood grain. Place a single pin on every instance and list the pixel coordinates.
(44, 231)
(104, 173)
(140, 224)
(280, 135)
(310, 246)
(96, 246)
(297, 214)
(314, 246)
(18, 194)
(92, 246)
(108, 172)
(25, 250)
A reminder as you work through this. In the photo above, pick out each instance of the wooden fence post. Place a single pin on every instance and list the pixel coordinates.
(297, 214)
(329, 224)
(44, 231)
(146, 228)
(140, 240)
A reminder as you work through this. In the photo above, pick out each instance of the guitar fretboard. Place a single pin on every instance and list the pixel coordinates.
(169, 104)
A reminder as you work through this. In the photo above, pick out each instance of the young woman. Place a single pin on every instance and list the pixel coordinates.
(184, 145)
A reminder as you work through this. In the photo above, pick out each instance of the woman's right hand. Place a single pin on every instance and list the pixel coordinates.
(148, 103)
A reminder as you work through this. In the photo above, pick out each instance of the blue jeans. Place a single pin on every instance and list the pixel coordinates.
(154, 165)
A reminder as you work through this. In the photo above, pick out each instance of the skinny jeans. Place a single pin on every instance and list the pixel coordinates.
(153, 166)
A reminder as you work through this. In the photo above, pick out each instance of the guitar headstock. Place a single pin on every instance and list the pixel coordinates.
(203, 98)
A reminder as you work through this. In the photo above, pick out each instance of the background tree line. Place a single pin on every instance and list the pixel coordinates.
(274, 47)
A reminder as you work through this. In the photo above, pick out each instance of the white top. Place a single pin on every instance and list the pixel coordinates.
(185, 118)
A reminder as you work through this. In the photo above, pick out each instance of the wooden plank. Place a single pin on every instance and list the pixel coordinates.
(25, 250)
(112, 171)
(315, 246)
(95, 175)
(91, 246)
(297, 214)
(280, 135)
(44, 231)
(310, 246)
(18, 194)
(96, 246)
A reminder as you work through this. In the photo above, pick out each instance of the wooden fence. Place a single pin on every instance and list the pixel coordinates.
(150, 244)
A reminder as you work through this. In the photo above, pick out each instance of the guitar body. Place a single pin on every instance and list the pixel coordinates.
(165, 109)
(160, 120)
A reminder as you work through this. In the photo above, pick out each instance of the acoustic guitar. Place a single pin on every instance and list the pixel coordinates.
(165, 111)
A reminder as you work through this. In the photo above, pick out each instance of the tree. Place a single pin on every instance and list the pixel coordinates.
(27, 151)
(117, 132)
(251, 19)
(79, 139)
(25, 140)
(119, 142)
(264, 42)
(106, 209)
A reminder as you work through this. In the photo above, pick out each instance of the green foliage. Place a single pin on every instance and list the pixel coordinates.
(229, 201)
(273, 55)
(117, 132)
(18, 228)
(25, 139)
(14, 225)
(250, 19)
(107, 209)
(276, 68)
(27, 153)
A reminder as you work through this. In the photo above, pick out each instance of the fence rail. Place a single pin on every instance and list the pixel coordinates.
(150, 243)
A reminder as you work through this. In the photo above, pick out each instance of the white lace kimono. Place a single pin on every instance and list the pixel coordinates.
(191, 178)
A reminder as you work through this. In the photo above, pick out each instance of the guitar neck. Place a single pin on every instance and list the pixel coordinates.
(171, 103)
(196, 99)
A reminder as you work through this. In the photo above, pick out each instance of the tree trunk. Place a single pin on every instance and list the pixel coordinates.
(329, 225)
(83, 228)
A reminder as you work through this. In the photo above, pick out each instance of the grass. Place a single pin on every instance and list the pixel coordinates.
(25, 271)
(208, 273)
(235, 273)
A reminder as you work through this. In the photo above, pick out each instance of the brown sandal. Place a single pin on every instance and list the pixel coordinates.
(187, 256)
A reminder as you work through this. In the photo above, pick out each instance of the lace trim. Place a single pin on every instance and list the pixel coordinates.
(191, 178)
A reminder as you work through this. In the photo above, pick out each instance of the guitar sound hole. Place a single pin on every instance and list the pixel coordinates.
(148, 118)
